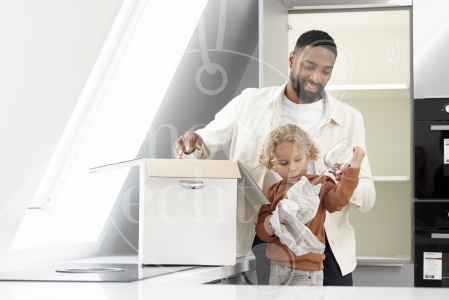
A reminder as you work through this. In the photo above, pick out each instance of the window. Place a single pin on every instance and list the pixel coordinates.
(110, 121)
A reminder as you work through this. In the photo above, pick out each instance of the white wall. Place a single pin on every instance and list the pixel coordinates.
(120, 108)
(237, 54)
(47, 53)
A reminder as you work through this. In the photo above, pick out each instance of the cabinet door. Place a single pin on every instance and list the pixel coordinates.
(430, 44)
(273, 42)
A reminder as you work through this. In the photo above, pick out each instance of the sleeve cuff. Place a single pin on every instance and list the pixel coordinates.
(269, 239)
(198, 154)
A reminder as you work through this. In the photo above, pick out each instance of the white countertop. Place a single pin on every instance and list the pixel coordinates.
(144, 289)
(187, 285)
(156, 275)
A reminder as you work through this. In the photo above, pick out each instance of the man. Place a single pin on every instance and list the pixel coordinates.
(245, 121)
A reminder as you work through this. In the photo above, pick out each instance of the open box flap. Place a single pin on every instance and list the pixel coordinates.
(118, 165)
(192, 168)
(250, 189)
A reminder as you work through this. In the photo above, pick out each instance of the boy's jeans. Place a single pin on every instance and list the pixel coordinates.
(281, 275)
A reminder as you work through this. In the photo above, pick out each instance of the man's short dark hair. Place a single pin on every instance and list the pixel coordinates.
(316, 38)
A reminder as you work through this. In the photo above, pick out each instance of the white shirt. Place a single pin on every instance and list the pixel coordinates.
(305, 116)
(243, 125)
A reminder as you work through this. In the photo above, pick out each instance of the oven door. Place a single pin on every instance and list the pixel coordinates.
(432, 243)
(432, 259)
(431, 152)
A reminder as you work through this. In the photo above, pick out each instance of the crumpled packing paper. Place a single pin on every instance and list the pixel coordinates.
(291, 215)
(189, 156)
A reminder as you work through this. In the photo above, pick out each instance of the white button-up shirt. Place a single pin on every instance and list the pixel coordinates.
(243, 125)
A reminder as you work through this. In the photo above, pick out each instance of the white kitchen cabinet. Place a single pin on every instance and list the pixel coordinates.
(364, 76)
(430, 44)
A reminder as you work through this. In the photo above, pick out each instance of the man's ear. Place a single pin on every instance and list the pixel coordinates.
(291, 59)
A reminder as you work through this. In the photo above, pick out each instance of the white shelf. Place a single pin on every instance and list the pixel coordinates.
(348, 6)
(390, 178)
(375, 92)
(368, 87)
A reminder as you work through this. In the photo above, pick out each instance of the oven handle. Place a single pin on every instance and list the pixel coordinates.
(440, 235)
(439, 127)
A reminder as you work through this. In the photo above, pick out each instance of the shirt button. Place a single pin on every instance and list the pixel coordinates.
(333, 243)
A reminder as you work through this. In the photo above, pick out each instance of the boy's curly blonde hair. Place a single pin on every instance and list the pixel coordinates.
(287, 133)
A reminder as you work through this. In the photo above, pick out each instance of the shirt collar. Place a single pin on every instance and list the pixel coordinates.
(330, 104)
(277, 94)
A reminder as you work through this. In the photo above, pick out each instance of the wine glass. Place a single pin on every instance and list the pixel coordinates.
(396, 54)
(337, 159)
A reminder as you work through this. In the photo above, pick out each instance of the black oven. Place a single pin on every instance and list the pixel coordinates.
(431, 149)
(431, 179)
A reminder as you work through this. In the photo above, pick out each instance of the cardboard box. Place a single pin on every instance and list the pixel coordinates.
(194, 212)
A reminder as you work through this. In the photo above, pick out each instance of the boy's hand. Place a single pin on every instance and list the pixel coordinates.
(357, 158)
(267, 226)
(356, 161)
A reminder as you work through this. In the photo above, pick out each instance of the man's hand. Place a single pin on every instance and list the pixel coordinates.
(267, 226)
(187, 143)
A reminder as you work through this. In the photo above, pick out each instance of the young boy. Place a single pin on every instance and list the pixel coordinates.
(287, 150)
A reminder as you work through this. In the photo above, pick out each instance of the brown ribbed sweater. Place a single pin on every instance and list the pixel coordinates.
(333, 198)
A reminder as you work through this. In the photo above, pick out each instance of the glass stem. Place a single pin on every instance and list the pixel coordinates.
(396, 66)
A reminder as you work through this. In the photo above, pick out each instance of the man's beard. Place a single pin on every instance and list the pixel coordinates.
(301, 92)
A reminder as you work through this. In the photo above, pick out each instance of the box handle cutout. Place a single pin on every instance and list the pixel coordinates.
(191, 185)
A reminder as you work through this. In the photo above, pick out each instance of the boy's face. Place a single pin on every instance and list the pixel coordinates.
(290, 162)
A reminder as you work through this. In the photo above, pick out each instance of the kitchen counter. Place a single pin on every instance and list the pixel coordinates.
(191, 284)
(132, 271)
(145, 289)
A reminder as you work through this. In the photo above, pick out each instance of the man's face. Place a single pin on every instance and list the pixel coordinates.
(311, 69)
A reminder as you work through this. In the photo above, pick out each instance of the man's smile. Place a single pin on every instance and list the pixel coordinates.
(310, 87)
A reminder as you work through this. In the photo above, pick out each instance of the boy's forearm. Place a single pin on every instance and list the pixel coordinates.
(338, 196)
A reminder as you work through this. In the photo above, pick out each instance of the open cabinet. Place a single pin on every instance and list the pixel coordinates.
(371, 73)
